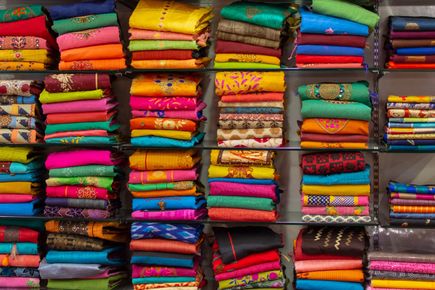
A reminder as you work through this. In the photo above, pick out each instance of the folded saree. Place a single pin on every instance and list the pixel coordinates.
(396, 266)
(398, 275)
(412, 202)
(385, 283)
(169, 103)
(79, 106)
(84, 192)
(157, 85)
(321, 163)
(163, 259)
(241, 214)
(330, 39)
(358, 177)
(46, 97)
(10, 100)
(335, 109)
(327, 265)
(200, 37)
(73, 10)
(182, 214)
(250, 117)
(257, 190)
(396, 43)
(179, 232)
(80, 23)
(363, 189)
(65, 212)
(140, 45)
(412, 196)
(80, 117)
(163, 124)
(352, 92)
(412, 209)
(248, 279)
(215, 171)
(168, 203)
(309, 49)
(105, 51)
(150, 271)
(413, 59)
(163, 245)
(412, 34)
(195, 114)
(391, 256)
(336, 210)
(89, 38)
(163, 160)
(334, 200)
(19, 282)
(253, 143)
(302, 284)
(237, 134)
(173, 134)
(335, 127)
(22, 66)
(333, 275)
(147, 280)
(79, 158)
(20, 260)
(234, 83)
(405, 113)
(231, 100)
(74, 242)
(243, 28)
(223, 46)
(400, 23)
(62, 83)
(262, 267)
(109, 126)
(171, 63)
(12, 234)
(97, 64)
(428, 136)
(246, 58)
(240, 202)
(108, 256)
(146, 177)
(26, 55)
(157, 141)
(394, 65)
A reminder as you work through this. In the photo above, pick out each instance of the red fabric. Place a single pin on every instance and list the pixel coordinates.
(238, 47)
(330, 39)
(254, 259)
(334, 162)
(304, 58)
(241, 214)
(413, 59)
(29, 27)
(9, 234)
(394, 65)
(333, 138)
(162, 54)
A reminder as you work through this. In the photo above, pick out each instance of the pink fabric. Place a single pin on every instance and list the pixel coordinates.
(143, 177)
(372, 288)
(150, 271)
(425, 268)
(79, 106)
(325, 265)
(173, 103)
(238, 189)
(168, 215)
(86, 192)
(137, 34)
(330, 65)
(249, 270)
(411, 196)
(18, 282)
(78, 158)
(339, 210)
(101, 133)
(412, 202)
(91, 37)
(11, 198)
(195, 114)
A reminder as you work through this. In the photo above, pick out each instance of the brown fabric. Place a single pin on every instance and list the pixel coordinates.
(413, 58)
(246, 29)
(5, 166)
(412, 42)
(223, 46)
(67, 242)
(248, 39)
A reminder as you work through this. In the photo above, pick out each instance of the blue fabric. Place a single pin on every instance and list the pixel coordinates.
(411, 125)
(17, 168)
(23, 208)
(109, 256)
(5, 177)
(244, 180)
(22, 248)
(81, 9)
(25, 100)
(329, 50)
(180, 232)
(416, 51)
(322, 24)
(169, 203)
(162, 261)
(166, 279)
(410, 188)
(154, 141)
(302, 284)
(412, 215)
(358, 177)
(82, 140)
(256, 110)
(401, 120)
(412, 148)
(15, 123)
(399, 23)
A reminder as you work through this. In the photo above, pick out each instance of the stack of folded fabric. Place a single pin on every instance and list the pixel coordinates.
(249, 35)
(82, 183)
(166, 110)
(335, 115)
(243, 186)
(401, 270)
(251, 109)
(330, 258)
(80, 109)
(25, 41)
(19, 114)
(20, 257)
(333, 34)
(88, 35)
(166, 256)
(164, 185)
(20, 177)
(335, 187)
(168, 34)
(412, 41)
(411, 123)
(247, 258)
(411, 203)
(85, 255)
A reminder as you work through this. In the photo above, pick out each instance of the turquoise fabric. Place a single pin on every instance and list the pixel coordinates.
(17, 168)
(359, 177)
(82, 140)
(158, 280)
(335, 109)
(21, 248)
(31, 177)
(154, 141)
(109, 256)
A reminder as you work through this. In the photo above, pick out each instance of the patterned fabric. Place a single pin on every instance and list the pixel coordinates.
(54, 211)
(19, 272)
(183, 233)
(61, 83)
(73, 242)
(10, 100)
(329, 200)
(19, 13)
(22, 42)
(242, 157)
(19, 136)
(165, 85)
(248, 82)
(337, 162)
(231, 124)
(18, 110)
(335, 219)
(400, 275)
(16, 87)
(16, 122)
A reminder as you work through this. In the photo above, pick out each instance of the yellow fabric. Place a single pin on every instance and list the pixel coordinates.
(411, 99)
(359, 189)
(242, 157)
(157, 85)
(173, 16)
(193, 63)
(36, 55)
(21, 65)
(403, 284)
(241, 172)
(231, 83)
(163, 160)
(20, 187)
(342, 145)
(174, 134)
(238, 57)
(15, 154)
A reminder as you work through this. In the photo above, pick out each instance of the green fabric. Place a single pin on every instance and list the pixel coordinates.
(346, 10)
(47, 98)
(37, 225)
(243, 65)
(335, 109)
(83, 171)
(20, 13)
(161, 186)
(68, 127)
(240, 202)
(87, 284)
(137, 45)
(269, 15)
(83, 140)
(103, 182)
(358, 91)
(85, 22)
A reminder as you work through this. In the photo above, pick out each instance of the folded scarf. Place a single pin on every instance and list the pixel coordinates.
(89, 38)
(302, 284)
(223, 46)
(80, 23)
(183, 214)
(99, 64)
(332, 109)
(179, 232)
(105, 51)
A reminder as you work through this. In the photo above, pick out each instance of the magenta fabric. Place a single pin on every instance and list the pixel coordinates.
(168, 215)
(140, 177)
(71, 191)
(12, 198)
(412, 34)
(150, 271)
(19, 282)
(249, 270)
(78, 158)
(172, 103)
(394, 266)
(340, 210)
(239, 189)
(415, 196)
(91, 37)
(195, 115)
(412, 202)
(79, 106)
(372, 288)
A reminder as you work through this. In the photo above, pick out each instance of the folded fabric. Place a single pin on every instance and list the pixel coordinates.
(399, 23)
(246, 58)
(108, 126)
(333, 200)
(88, 38)
(358, 177)
(223, 46)
(335, 127)
(20, 260)
(415, 51)
(406, 267)
(168, 203)
(66, 212)
(252, 143)
(79, 203)
(326, 285)
(163, 259)
(215, 171)
(28, 110)
(22, 66)
(100, 181)
(163, 245)
(329, 50)
(97, 64)
(386, 283)
(331, 39)
(109, 256)
(80, 23)
(182, 214)
(410, 188)
(336, 210)
(179, 185)
(83, 192)
(335, 219)
(105, 51)
(63, 118)
(332, 109)
(151, 85)
(163, 124)
(330, 144)
(150, 271)
(260, 158)
(151, 280)
(170, 103)
(327, 60)
(19, 187)
(79, 158)
(26, 55)
(354, 92)
(171, 64)
(263, 267)
(322, 265)
(163, 160)
(391, 256)
(240, 214)
(248, 279)
(257, 190)
(244, 28)
(175, 54)
(240, 202)
(74, 242)
(361, 189)
(111, 282)
(24, 12)
(24, 272)
(19, 248)
(146, 177)
(61, 83)
(73, 10)
(412, 196)
(179, 232)
(19, 282)
(46, 97)
(200, 37)
(156, 141)
(411, 42)
(412, 59)
(172, 134)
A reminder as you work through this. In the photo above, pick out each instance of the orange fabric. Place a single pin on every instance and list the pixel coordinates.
(413, 208)
(20, 260)
(392, 64)
(162, 245)
(107, 51)
(77, 133)
(341, 145)
(79, 117)
(160, 193)
(163, 124)
(240, 214)
(334, 275)
(335, 126)
(263, 97)
(99, 64)
(171, 63)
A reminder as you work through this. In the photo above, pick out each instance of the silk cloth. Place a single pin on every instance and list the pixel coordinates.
(234, 83)
(165, 85)
(163, 160)
(88, 38)
(80, 23)
(20, 13)
(79, 158)
(76, 9)
(179, 232)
